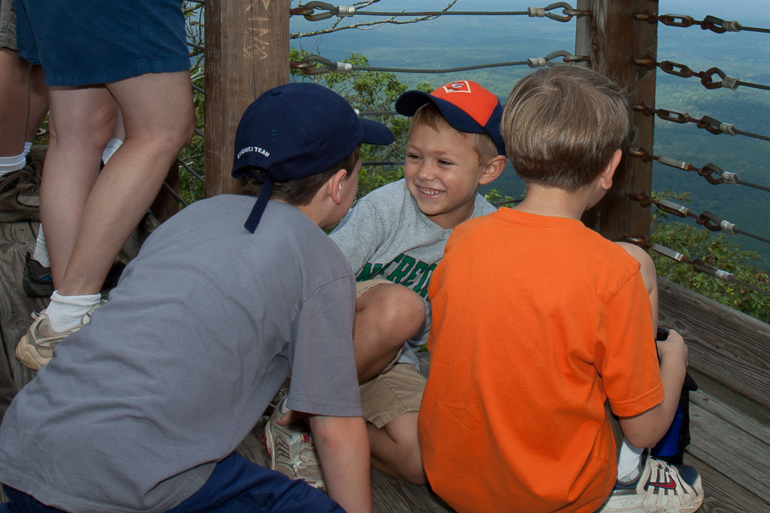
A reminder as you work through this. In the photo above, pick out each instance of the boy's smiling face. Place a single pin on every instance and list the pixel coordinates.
(442, 172)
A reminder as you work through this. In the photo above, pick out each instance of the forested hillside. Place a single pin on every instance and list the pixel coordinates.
(461, 41)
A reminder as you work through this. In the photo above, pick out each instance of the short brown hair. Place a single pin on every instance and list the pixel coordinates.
(302, 191)
(561, 126)
(482, 143)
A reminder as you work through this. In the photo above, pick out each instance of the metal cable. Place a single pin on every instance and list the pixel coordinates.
(755, 29)
(442, 13)
(755, 86)
(190, 170)
(697, 264)
(707, 219)
(175, 195)
(318, 65)
(199, 89)
(712, 23)
(327, 10)
(706, 77)
(713, 174)
(711, 125)
(755, 186)
(199, 132)
(750, 134)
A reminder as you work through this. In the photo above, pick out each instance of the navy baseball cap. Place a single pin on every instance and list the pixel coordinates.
(466, 106)
(294, 131)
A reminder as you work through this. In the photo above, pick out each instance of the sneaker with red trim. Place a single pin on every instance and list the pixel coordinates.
(291, 448)
(661, 488)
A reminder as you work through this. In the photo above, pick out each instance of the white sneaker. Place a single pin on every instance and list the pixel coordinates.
(291, 448)
(661, 488)
(35, 348)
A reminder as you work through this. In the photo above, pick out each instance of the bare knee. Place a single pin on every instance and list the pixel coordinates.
(401, 311)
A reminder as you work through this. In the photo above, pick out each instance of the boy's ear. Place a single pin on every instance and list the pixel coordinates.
(493, 169)
(335, 184)
(606, 177)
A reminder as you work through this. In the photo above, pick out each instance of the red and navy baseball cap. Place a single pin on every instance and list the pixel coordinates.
(465, 105)
(294, 131)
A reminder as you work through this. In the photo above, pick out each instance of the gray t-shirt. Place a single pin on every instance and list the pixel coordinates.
(135, 409)
(386, 236)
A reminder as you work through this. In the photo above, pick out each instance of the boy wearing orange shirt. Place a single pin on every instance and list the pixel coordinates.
(552, 321)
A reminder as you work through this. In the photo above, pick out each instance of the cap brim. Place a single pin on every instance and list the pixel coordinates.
(408, 103)
(376, 133)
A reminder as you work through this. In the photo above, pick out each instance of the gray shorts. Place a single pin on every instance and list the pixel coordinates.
(7, 25)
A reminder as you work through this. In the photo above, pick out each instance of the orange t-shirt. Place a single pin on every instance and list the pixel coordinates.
(537, 321)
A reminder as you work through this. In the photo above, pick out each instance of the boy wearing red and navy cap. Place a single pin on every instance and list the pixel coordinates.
(394, 238)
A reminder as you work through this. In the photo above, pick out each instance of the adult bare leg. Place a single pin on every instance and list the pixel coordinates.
(159, 120)
(82, 121)
(38, 102)
(14, 102)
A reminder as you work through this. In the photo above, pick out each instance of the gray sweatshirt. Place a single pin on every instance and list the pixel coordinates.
(386, 236)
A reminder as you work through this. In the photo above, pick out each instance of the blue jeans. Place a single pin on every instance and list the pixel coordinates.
(236, 485)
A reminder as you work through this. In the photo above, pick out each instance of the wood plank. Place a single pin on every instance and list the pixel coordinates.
(16, 240)
(724, 495)
(735, 453)
(725, 344)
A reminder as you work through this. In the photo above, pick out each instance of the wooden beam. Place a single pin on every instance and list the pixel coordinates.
(613, 39)
(725, 344)
(247, 53)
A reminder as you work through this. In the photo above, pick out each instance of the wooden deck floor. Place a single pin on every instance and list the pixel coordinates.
(730, 430)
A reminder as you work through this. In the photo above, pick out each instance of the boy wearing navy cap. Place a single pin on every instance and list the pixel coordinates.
(142, 409)
(393, 239)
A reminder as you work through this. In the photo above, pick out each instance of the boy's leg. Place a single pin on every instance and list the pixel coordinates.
(387, 315)
(237, 484)
(391, 402)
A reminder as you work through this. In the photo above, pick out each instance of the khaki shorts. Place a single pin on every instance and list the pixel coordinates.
(7, 25)
(396, 390)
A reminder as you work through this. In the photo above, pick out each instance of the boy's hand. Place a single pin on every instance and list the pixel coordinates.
(673, 348)
(293, 416)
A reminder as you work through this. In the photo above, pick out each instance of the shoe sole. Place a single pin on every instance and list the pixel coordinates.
(28, 355)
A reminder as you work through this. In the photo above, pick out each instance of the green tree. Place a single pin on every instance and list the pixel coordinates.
(715, 250)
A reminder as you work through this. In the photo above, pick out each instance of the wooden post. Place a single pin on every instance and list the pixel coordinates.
(165, 205)
(247, 53)
(613, 39)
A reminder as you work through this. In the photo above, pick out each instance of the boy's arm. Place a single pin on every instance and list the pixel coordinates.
(646, 429)
(343, 448)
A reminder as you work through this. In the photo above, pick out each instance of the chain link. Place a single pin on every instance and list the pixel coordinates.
(712, 23)
(706, 77)
(708, 220)
(713, 174)
(707, 123)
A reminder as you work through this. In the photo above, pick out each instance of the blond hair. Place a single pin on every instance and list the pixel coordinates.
(430, 116)
(561, 126)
